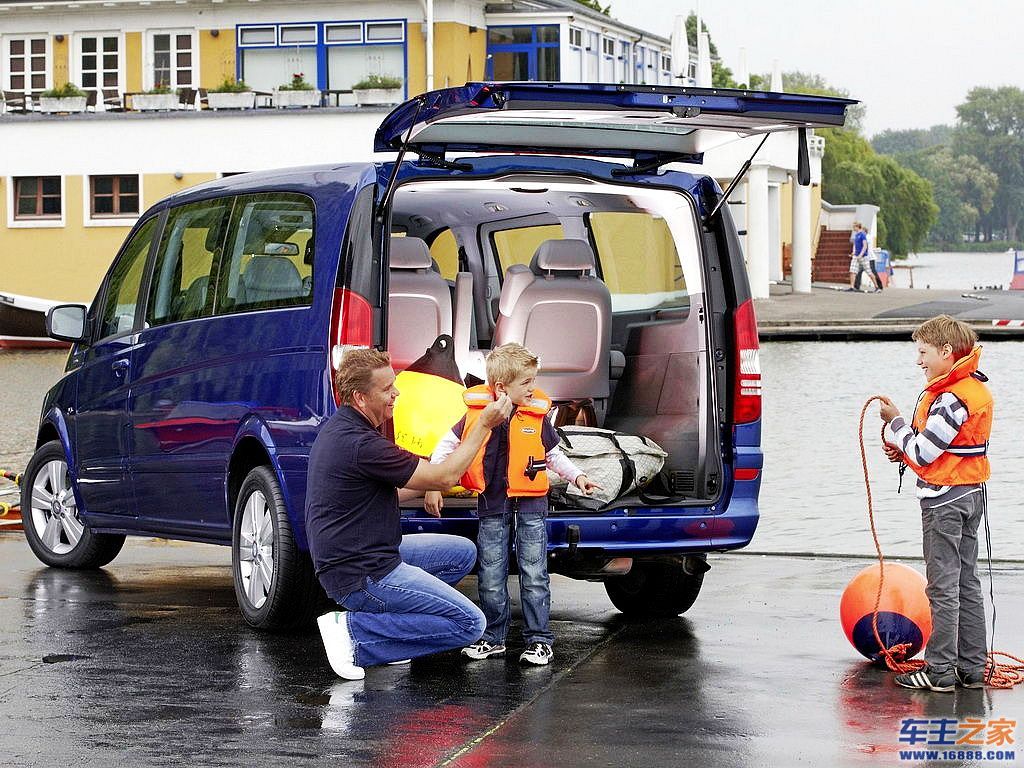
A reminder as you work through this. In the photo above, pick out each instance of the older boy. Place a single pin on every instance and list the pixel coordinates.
(509, 473)
(946, 445)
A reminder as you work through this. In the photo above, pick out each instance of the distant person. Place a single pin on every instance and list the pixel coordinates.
(395, 589)
(946, 445)
(860, 259)
(511, 476)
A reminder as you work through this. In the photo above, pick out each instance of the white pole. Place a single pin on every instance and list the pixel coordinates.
(757, 230)
(430, 44)
(801, 237)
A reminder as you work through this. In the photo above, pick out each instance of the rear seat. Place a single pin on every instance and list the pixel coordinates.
(561, 312)
(420, 304)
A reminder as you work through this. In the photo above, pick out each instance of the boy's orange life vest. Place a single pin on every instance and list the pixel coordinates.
(965, 462)
(526, 454)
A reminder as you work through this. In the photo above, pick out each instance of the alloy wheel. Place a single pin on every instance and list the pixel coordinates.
(256, 549)
(54, 509)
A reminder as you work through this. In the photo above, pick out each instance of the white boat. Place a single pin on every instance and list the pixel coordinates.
(23, 322)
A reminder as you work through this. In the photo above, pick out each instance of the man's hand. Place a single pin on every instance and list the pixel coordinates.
(894, 454)
(433, 502)
(496, 412)
(587, 485)
(887, 410)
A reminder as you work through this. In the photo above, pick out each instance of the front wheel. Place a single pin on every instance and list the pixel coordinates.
(657, 589)
(275, 585)
(53, 527)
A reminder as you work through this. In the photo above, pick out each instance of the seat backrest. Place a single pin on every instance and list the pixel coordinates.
(562, 313)
(419, 301)
(268, 279)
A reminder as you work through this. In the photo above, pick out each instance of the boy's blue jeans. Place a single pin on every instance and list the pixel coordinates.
(413, 611)
(954, 589)
(532, 556)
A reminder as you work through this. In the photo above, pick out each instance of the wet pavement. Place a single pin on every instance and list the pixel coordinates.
(829, 313)
(147, 663)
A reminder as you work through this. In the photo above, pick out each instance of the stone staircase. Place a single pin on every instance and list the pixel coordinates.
(832, 259)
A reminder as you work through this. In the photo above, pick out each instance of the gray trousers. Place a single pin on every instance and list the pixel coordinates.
(954, 589)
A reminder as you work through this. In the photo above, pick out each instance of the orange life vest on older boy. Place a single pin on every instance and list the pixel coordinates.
(526, 453)
(965, 462)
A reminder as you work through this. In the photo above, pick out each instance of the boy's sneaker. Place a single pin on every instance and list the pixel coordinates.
(481, 649)
(537, 653)
(339, 646)
(969, 679)
(928, 680)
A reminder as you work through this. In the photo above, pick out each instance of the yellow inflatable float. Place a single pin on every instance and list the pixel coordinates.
(427, 408)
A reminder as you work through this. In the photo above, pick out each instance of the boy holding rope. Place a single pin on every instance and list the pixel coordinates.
(946, 445)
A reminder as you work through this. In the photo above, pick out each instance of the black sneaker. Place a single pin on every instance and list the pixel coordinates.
(537, 653)
(969, 679)
(928, 680)
(481, 649)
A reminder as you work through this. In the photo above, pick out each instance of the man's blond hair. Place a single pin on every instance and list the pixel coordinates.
(356, 372)
(943, 330)
(508, 362)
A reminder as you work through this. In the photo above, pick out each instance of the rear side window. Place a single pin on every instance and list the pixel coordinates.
(517, 246)
(268, 261)
(445, 251)
(123, 286)
(639, 261)
(182, 278)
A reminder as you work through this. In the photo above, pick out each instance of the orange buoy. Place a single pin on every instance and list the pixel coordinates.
(904, 616)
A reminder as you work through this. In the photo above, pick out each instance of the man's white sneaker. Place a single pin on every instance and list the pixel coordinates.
(339, 646)
(537, 653)
(481, 649)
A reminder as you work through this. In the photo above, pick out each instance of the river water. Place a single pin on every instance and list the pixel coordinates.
(955, 271)
(813, 495)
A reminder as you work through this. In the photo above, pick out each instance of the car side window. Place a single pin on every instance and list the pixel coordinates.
(122, 294)
(182, 286)
(268, 261)
(517, 246)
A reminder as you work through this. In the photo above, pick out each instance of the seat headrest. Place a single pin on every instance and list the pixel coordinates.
(409, 253)
(271, 273)
(562, 256)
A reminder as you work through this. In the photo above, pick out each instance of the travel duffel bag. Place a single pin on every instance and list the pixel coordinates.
(618, 462)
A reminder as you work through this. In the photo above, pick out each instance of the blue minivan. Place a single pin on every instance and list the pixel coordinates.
(203, 368)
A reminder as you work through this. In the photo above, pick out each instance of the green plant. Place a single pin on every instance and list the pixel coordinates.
(159, 89)
(378, 81)
(298, 83)
(66, 91)
(230, 85)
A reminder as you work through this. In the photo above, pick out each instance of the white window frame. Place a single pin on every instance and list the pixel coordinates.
(149, 54)
(5, 62)
(249, 28)
(389, 23)
(351, 24)
(575, 37)
(13, 223)
(109, 221)
(75, 67)
(282, 27)
(606, 44)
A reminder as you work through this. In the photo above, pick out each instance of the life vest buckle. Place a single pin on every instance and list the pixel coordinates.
(533, 466)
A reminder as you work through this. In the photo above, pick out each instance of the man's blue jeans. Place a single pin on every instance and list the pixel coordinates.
(532, 556)
(413, 611)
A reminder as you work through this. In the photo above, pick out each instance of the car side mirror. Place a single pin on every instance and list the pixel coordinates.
(66, 322)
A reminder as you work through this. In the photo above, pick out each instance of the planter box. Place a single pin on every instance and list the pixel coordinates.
(154, 102)
(372, 96)
(307, 98)
(243, 100)
(55, 104)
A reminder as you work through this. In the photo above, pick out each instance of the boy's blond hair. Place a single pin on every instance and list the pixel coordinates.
(508, 362)
(947, 330)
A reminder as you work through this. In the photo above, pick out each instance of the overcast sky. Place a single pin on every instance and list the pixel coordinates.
(910, 61)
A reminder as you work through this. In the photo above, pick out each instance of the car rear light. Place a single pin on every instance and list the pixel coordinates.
(351, 328)
(746, 474)
(747, 387)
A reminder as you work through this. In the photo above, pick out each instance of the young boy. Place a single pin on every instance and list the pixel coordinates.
(946, 446)
(509, 474)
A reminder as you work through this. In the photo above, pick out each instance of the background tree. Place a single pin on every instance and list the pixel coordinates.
(962, 186)
(991, 128)
(892, 142)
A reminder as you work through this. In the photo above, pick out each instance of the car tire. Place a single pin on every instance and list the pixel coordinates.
(53, 527)
(275, 585)
(655, 589)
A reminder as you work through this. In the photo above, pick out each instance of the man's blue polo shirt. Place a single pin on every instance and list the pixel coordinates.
(352, 519)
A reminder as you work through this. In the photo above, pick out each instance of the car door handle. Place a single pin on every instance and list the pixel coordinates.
(119, 367)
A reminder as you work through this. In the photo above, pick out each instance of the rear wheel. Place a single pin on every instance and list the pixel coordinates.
(657, 588)
(275, 585)
(53, 527)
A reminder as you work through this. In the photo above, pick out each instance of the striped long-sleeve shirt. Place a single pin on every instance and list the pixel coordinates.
(945, 417)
